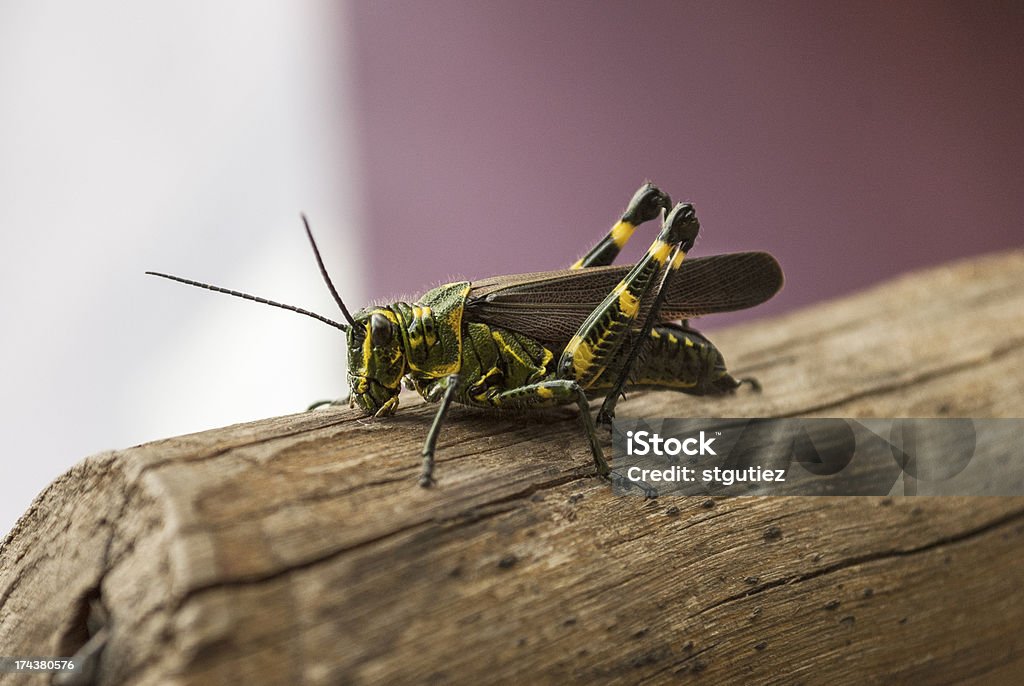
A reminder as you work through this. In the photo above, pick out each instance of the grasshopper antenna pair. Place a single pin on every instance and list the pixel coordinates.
(272, 303)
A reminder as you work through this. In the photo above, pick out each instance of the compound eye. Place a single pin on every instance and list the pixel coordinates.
(380, 330)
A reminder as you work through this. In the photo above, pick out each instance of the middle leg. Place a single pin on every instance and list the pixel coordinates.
(551, 393)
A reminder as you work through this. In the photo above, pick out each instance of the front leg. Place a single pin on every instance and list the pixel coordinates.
(328, 403)
(549, 394)
(449, 388)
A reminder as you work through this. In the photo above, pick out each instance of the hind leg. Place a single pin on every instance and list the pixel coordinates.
(647, 203)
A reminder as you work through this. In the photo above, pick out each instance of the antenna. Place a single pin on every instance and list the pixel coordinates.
(264, 301)
(323, 273)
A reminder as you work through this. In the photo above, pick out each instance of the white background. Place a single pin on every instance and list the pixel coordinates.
(183, 137)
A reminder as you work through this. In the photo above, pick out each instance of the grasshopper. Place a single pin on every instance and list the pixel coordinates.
(533, 341)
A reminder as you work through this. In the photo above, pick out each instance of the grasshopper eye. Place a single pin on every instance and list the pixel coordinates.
(380, 330)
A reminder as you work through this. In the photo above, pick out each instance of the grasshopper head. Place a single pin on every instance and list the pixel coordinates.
(376, 361)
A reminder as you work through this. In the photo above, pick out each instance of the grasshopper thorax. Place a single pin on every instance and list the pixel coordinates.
(376, 360)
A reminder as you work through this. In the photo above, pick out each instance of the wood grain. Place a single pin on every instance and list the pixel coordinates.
(300, 550)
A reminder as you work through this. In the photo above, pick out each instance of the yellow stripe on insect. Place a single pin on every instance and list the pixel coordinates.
(582, 355)
(545, 392)
(367, 345)
(629, 304)
(659, 252)
(622, 232)
(678, 259)
(548, 356)
(500, 340)
(429, 332)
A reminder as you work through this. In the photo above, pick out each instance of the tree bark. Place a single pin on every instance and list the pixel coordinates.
(300, 549)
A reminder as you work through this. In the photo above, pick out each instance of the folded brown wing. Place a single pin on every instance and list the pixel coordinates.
(551, 306)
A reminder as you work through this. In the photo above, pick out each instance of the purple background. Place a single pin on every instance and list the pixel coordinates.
(853, 140)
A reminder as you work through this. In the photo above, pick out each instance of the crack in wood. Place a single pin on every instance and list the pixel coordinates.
(899, 385)
(457, 520)
(868, 558)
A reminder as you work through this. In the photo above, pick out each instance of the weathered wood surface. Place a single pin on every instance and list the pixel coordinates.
(300, 550)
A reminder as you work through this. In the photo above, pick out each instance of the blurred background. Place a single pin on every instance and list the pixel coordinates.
(426, 141)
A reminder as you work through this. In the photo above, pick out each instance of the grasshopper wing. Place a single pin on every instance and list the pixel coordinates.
(551, 306)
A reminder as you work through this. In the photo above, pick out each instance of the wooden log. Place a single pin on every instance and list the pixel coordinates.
(300, 549)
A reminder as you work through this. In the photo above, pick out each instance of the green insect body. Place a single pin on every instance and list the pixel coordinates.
(534, 341)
